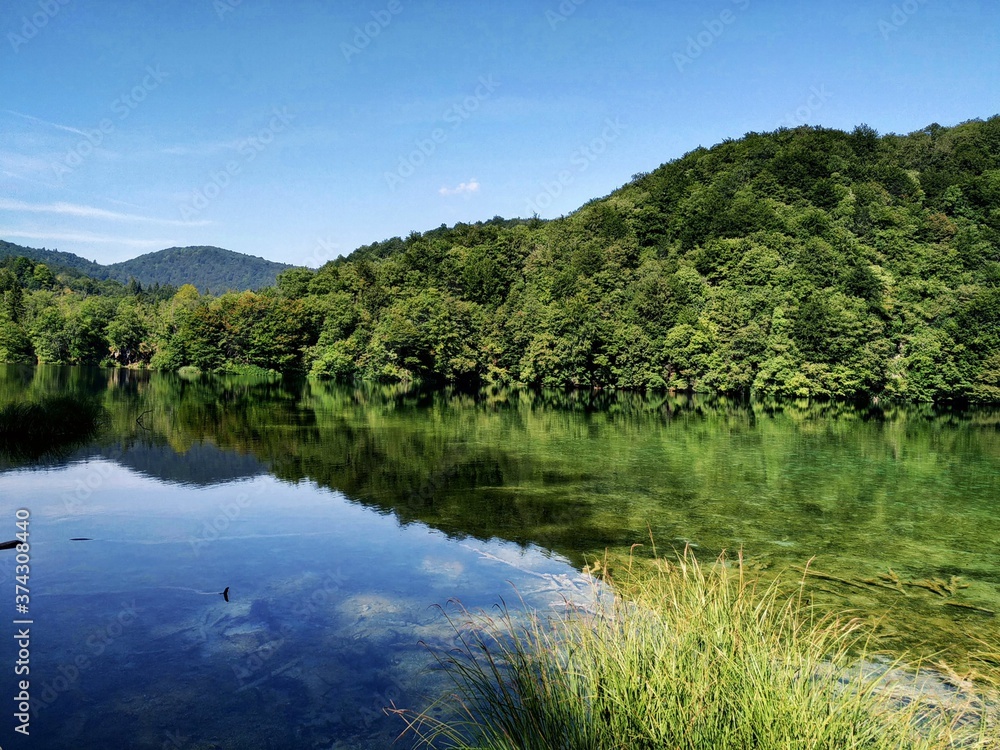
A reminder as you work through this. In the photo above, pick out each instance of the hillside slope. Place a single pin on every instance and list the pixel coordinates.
(207, 268)
(806, 262)
(56, 260)
(204, 267)
(803, 263)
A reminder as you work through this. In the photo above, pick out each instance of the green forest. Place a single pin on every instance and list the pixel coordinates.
(799, 263)
(207, 268)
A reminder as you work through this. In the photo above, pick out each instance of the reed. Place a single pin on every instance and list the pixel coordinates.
(689, 657)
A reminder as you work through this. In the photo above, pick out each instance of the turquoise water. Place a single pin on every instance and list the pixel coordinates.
(340, 518)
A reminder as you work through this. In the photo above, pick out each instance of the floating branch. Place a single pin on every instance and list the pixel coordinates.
(880, 582)
(828, 577)
(939, 587)
(973, 607)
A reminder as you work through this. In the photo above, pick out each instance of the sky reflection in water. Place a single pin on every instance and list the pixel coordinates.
(134, 645)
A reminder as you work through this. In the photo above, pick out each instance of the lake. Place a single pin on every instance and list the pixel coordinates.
(340, 520)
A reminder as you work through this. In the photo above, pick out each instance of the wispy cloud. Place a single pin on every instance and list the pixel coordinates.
(25, 167)
(91, 212)
(201, 149)
(87, 237)
(472, 186)
(56, 125)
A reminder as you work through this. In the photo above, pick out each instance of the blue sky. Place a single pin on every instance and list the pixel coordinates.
(298, 130)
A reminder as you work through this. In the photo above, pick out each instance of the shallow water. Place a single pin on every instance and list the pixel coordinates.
(339, 517)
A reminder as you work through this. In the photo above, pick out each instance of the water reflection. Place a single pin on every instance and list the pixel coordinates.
(49, 427)
(250, 614)
(336, 515)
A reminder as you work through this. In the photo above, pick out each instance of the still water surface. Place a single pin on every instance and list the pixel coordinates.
(338, 517)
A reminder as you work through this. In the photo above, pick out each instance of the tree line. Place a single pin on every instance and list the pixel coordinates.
(801, 263)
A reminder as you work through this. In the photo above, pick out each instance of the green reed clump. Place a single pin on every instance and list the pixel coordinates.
(692, 657)
(32, 429)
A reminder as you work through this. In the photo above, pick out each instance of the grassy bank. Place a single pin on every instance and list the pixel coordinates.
(694, 657)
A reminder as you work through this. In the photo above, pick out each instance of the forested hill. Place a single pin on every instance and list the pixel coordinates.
(55, 260)
(203, 267)
(806, 262)
(799, 262)
(207, 268)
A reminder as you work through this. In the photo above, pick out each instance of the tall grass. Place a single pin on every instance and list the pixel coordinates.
(693, 657)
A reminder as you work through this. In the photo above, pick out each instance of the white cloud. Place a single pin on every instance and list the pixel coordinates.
(472, 186)
(56, 125)
(201, 149)
(25, 167)
(90, 212)
(85, 237)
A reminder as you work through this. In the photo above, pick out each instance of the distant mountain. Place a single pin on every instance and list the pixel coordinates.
(58, 262)
(205, 267)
